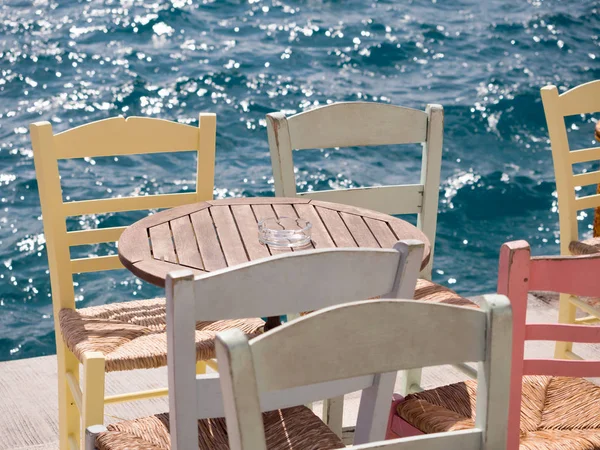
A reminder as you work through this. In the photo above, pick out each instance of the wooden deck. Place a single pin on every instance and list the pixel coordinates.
(28, 395)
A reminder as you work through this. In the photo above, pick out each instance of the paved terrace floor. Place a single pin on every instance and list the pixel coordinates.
(28, 389)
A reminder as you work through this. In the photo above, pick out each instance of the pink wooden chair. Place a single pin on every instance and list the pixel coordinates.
(548, 408)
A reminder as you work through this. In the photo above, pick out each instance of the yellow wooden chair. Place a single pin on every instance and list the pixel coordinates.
(582, 99)
(119, 336)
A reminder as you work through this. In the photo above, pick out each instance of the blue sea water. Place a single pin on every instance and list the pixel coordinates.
(71, 62)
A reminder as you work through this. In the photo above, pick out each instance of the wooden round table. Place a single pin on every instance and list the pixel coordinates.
(212, 235)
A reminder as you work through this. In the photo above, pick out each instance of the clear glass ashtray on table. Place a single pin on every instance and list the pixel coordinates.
(284, 232)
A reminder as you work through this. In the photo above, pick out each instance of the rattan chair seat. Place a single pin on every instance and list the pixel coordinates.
(132, 335)
(285, 429)
(556, 412)
(431, 292)
(585, 247)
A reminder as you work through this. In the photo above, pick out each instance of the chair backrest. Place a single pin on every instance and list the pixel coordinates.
(292, 282)
(352, 124)
(520, 273)
(582, 99)
(383, 336)
(116, 136)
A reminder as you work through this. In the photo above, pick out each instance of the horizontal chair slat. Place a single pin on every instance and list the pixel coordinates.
(86, 237)
(581, 99)
(584, 155)
(587, 202)
(209, 394)
(84, 265)
(562, 332)
(128, 204)
(561, 368)
(119, 136)
(585, 179)
(463, 439)
(406, 199)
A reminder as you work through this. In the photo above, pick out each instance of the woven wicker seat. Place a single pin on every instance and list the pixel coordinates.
(586, 247)
(556, 412)
(131, 335)
(286, 429)
(431, 292)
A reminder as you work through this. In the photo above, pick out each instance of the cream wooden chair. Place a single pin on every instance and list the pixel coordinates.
(121, 336)
(352, 124)
(582, 99)
(368, 331)
(298, 281)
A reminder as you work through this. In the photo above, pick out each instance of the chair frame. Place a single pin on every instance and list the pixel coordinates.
(518, 274)
(81, 402)
(353, 124)
(271, 364)
(582, 99)
(268, 287)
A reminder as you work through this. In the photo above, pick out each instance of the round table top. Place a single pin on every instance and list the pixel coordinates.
(217, 234)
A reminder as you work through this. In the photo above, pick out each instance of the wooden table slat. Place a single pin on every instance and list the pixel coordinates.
(248, 227)
(258, 201)
(230, 239)
(155, 272)
(360, 231)
(320, 235)
(208, 242)
(135, 245)
(185, 242)
(162, 243)
(264, 212)
(336, 227)
(382, 232)
(173, 213)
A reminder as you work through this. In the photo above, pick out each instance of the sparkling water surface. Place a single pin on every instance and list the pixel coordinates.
(72, 62)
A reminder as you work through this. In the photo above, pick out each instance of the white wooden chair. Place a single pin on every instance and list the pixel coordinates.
(370, 332)
(352, 124)
(105, 338)
(582, 99)
(298, 281)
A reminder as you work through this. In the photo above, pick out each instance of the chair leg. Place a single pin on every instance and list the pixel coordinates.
(410, 381)
(200, 367)
(68, 414)
(90, 436)
(92, 391)
(566, 314)
(333, 414)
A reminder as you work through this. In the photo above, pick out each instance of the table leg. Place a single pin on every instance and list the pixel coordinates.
(272, 322)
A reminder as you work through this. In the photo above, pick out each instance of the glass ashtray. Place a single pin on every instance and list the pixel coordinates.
(284, 232)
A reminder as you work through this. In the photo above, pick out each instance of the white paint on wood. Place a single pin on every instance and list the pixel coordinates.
(431, 165)
(406, 199)
(451, 440)
(240, 394)
(296, 282)
(457, 335)
(181, 359)
(373, 412)
(275, 361)
(351, 124)
(493, 373)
